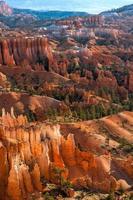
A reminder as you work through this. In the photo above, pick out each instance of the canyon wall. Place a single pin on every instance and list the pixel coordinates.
(24, 51)
(5, 9)
(31, 151)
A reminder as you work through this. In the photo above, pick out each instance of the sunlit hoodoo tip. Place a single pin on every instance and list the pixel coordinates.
(3, 112)
(12, 112)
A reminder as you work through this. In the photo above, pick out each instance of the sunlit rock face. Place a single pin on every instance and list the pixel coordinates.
(25, 51)
(5, 9)
(30, 152)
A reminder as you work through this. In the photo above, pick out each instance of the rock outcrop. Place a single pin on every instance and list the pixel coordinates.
(3, 81)
(96, 20)
(31, 105)
(31, 152)
(25, 51)
(5, 9)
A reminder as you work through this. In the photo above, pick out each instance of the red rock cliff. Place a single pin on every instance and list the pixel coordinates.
(24, 51)
(30, 152)
(5, 9)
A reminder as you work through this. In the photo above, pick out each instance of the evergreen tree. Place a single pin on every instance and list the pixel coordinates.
(82, 114)
(93, 112)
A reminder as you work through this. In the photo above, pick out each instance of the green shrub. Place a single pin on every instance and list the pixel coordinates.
(111, 196)
(47, 196)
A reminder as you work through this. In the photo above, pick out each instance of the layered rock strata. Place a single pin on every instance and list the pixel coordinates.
(31, 151)
(24, 51)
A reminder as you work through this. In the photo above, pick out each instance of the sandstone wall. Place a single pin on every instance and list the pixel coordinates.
(24, 51)
(30, 152)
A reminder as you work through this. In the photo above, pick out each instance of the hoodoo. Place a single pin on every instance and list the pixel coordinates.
(66, 101)
(26, 51)
(31, 152)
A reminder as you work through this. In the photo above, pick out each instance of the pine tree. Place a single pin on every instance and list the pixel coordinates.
(93, 112)
(82, 114)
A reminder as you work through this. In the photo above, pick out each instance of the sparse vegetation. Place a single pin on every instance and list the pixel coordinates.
(31, 116)
(60, 74)
(111, 196)
(126, 146)
(62, 186)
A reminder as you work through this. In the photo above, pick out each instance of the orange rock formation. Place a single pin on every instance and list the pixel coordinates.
(30, 151)
(22, 51)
